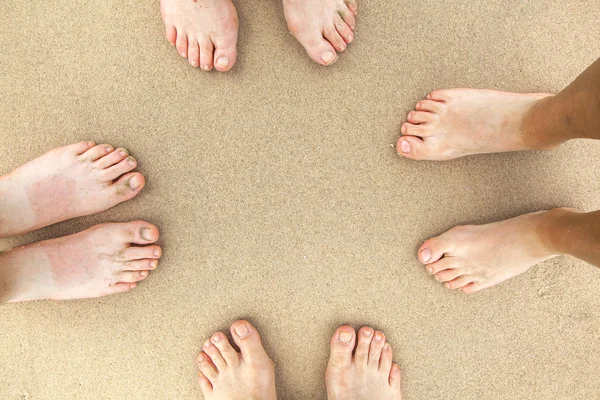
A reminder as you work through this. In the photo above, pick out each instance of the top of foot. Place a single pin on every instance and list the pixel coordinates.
(67, 182)
(226, 374)
(323, 27)
(368, 374)
(203, 31)
(459, 122)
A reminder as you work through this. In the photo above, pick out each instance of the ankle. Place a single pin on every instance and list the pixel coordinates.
(555, 224)
(543, 125)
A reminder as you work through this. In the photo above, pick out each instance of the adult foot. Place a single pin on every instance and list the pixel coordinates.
(458, 122)
(323, 27)
(226, 374)
(475, 257)
(67, 182)
(369, 374)
(203, 31)
(105, 259)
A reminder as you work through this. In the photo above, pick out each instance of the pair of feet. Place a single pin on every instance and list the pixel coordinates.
(68, 182)
(360, 367)
(205, 31)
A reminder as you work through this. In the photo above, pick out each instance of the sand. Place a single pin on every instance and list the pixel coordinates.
(280, 199)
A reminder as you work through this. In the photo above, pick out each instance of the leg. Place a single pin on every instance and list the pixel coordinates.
(93, 263)
(203, 31)
(228, 375)
(472, 258)
(67, 182)
(366, 375)
(322, 26)
(459, 122)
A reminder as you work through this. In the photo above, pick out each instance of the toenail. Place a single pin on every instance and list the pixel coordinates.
(205, 67)
(124, 153)
(350, 37)
(207, 344)
(426, 256)
(345, 337)
(108, 149)
(90, 143)
(405, 147)
(430, 270)
(368, 332)
(157, 252)
(216, 337)
(387, 347)
(242, 330)
(437, 278)
(131, 161)
(447, 285)
(328, 57)
(223, 62)
(134, 183)
(378, 336)
(153, 264)
(145, 233)
(144, 273)
(182, 54)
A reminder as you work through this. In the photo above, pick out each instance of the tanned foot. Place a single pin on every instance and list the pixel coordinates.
(369, 374)
(102, 260)
(67, 182)
(459, 122)
(323, 27)
(475, 257)
(226, 374)
(203, 31)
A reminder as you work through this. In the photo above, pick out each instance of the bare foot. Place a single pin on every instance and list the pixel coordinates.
(93, 263)
(459, 122)
(369, 374)
(204, 31)
(67, 182)
(322, 26)
(475, 257)
(228, 375)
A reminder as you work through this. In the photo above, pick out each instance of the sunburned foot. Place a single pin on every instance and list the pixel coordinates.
(67, 182)
(369, 374)
(459, 122)
(203, 31)
(102, 260)
(323, 27)
(475, 257)
(226, 374)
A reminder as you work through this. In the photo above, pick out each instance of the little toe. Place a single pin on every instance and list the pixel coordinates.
(344, 30)
(410, 129)
(193, 53)
(387, 356)
(131, 276)
(376, 347)
(96, 152)
(332, 35)
(458, 282)
(431, 106)
(348, 17)
(126, 165)
(248, 340)
(111, 159)
(205, 385)
(342, 344)
(206, 54)
(171, 33)
(120, 287)
(229, 354)
(395, 377)
(472, 288)
(79, 148)
(181, 43)
(215, 355)
(364, 338)
(412, 147)
(447, 275)
(352, 6)
(420, 117)
(207, 367)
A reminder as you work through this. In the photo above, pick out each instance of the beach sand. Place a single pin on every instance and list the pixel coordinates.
(281, 200)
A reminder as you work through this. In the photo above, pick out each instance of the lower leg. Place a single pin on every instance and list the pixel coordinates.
(575, 233)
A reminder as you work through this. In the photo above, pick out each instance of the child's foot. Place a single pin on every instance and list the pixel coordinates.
(203, 31)
(67, 182)
(459, 122)
(228, 375)
(369, 374)
(105, 259)
(475, 257)
(322, 26)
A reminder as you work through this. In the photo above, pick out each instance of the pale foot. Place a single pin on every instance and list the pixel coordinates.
(475, 257)
(369, 374)
(228, 375)
(96, 262)
(322, 26)
(459, 122)
(203, 31)
(67, 182)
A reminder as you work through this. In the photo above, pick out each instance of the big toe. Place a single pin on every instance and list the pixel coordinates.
(127, 187)
(342, 344)
(248, 340)
(316, 46)
(225, 53)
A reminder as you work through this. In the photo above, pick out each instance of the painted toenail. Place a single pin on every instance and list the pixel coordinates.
(328, 57)
(223, 62)
(405, 147)
(345, 337)
(368, 332)
(242, 330)
(131, 161)
(426, 256)
(134, 183)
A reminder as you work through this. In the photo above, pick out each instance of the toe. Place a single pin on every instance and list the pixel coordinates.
(141, 252)
(420, 117)
(141, 265)
(365, 336)
(440, 265)
(344, 30)
(206, 54)
(206, 366)
(182, 43)
(248, 340)
(412, 147)
(214, 354)
(139, 232)
(332, 35)
(131, 276)
(111, 159)
(471, 288)
(120, 287)
(230, 356)
(387, 356)
(317, 48)
(458, 282)
(447, 275)
(171, 33)
(410, 129)
(225, 51)
(352, 6)
(433, 249)
(193, 53)
(96, 152)
(205, 385)
(376, 347)
(430, 106)
(79, 148)
(395, 377)
(342, 344)
(348, 17)
(438, 95)
(128, 186)
(126, 165)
